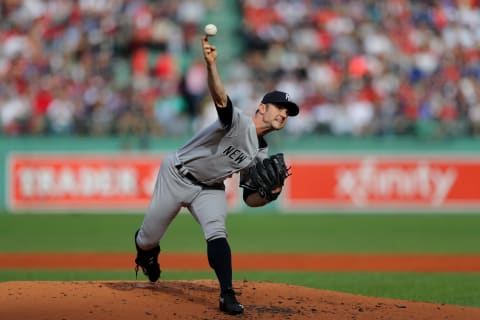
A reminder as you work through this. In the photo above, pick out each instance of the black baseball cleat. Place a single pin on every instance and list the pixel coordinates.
(148, 261)
(229, 303)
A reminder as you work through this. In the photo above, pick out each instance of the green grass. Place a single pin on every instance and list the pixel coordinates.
(306, 233)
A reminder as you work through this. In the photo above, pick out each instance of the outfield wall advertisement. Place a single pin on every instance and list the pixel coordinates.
(59, 182)
(384, 183)
(118, 182)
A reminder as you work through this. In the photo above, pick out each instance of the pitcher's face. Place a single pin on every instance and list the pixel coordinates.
(275, 115)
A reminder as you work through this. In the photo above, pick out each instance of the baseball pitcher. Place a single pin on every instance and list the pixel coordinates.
(193, 177)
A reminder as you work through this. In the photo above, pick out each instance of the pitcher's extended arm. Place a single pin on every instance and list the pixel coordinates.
(215, 85)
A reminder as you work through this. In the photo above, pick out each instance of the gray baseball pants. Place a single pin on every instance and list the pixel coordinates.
(172, 192)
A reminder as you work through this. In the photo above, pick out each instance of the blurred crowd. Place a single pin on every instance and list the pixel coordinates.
(98, 67)
(392, 67)
(357, 68)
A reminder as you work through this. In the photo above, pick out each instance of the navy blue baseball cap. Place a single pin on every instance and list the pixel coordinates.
(283, 99)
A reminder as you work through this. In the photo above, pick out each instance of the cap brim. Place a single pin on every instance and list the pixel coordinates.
(292, 108)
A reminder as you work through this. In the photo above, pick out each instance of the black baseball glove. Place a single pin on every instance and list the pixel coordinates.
(268, 175)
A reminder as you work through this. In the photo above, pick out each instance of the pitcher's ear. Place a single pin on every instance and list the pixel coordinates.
(262, 107)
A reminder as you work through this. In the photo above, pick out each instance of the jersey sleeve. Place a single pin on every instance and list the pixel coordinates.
(225, 114)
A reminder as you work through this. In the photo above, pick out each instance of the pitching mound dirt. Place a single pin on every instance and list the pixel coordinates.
(198, 300)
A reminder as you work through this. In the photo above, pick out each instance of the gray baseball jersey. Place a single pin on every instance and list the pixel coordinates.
(215, 154)
(193, 176)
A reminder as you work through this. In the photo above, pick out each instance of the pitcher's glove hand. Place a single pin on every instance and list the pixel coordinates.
(268, 175)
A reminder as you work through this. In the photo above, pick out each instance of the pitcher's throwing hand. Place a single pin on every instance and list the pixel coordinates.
(209, 51)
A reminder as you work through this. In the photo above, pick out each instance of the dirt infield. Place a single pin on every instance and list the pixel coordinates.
(182, 300)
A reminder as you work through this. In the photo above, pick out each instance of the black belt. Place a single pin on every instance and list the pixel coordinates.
(194, 180)
(187, 175)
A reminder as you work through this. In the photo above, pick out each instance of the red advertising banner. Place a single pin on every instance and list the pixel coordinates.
(384, 182)
(85, 182)
(123, 182)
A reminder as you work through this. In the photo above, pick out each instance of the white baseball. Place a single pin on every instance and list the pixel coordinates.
(210, 30)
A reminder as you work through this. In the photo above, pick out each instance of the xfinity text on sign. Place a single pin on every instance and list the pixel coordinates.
(384, 181)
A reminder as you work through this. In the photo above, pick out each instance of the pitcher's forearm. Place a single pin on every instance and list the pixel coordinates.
(217, 91)
(214, 82)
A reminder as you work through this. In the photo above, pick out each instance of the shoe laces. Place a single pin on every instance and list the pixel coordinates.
(145, 262)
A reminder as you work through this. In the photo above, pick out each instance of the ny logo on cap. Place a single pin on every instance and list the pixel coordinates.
(287, 96)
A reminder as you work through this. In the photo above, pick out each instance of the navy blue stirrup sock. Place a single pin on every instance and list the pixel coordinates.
(220, 259)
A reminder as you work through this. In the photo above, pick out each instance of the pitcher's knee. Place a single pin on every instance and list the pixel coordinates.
(215, 234)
